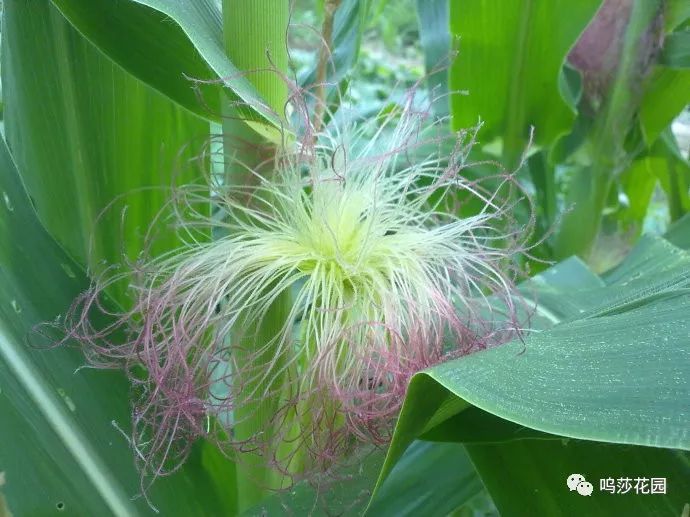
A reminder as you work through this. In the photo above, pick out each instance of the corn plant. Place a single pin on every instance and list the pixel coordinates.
(229, 289)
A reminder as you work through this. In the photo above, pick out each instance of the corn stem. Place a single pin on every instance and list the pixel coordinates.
(254, 32)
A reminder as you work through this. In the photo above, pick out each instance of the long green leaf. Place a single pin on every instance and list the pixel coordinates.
(97, 149)
(665, 96)
(510, 55)
(537, 467)
(666, 90)
(649, 255)
(616, 369)
(62, 446)
(435, 38)
(167, 45)
(430, 479)
(529, 478)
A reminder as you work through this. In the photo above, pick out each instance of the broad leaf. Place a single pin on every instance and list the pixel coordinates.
(529, 478)
(97, 149)
(650, 255)
(665, 95)
(168, 45)
(666, 91)
(62, 446)
(435, 38)
(430, 479)
(510, 55)
(614, 367)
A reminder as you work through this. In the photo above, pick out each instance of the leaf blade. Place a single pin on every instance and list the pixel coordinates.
(168, 46)
(509, 62)
(538, 471)
(61, 440)
(624, 379)
(95, 165)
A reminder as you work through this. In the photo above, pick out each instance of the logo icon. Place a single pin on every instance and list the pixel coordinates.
(577, 482)
(585, 488)
(574, 480)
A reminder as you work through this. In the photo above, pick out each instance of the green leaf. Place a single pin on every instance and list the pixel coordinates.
(638, 182)
(548, 288)
(543, 176)
(666, 93)
(570, 84)
(167, 45)
(344, 491)
(509, 62)
(679, 232)
(676, 51)
(529, 477)
(617, 370)
(677, 12)
(435, 38)
(649, 255)
(89, 139)
(61, 448)
(430, 479)
(666, 90)
(673, 171)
